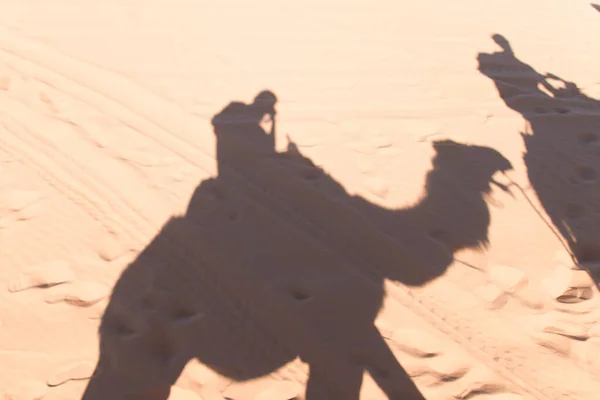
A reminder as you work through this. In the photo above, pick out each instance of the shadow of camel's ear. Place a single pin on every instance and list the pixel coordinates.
(443, 144)
(502, 42)
(596, 6)
(292, 147)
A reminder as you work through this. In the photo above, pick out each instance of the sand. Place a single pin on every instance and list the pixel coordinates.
(299, 200)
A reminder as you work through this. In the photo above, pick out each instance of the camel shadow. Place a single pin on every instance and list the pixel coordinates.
(274, 260)
(562, 147)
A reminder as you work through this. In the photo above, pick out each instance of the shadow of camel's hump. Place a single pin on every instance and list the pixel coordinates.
(244, 288)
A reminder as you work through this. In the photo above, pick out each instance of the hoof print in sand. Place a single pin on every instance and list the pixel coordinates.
(557, 343)
(75, 372)
(450, 367)
(27, 390)
(417, 343)
(45, 275)
(494, 296)
(443, 369)
(575, 295)
(81, 294)
(480, 381)
(508, 279)
(568, 285)
(569, 329)
(553, 323)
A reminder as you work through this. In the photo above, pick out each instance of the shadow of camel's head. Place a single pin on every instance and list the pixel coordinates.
(475, 166)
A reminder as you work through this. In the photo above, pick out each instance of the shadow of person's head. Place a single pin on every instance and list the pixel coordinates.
(264, 103)
(238, 115)
(512, 77)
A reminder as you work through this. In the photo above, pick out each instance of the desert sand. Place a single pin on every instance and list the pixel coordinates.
(282, 200)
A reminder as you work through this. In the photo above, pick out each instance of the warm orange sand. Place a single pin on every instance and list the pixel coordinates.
(311, 200)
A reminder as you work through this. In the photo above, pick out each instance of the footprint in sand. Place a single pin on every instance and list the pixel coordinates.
(75, 372)
(81, 294)
(44, 275)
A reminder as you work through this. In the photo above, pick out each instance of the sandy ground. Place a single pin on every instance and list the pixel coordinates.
(403, 226)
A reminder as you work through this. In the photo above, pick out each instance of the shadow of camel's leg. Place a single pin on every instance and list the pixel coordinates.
(387, 371)
(108, 384)
(332, 382)
(136, 363)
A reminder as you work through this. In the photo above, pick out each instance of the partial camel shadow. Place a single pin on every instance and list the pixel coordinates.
(274, 260)
(562, 146)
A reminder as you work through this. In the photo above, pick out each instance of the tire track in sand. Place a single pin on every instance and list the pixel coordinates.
(79, 162)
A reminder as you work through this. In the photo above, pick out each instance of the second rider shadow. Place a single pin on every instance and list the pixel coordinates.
(562, 145)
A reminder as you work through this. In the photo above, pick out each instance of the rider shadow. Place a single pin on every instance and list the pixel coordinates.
(274, 260)
(562, 147)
